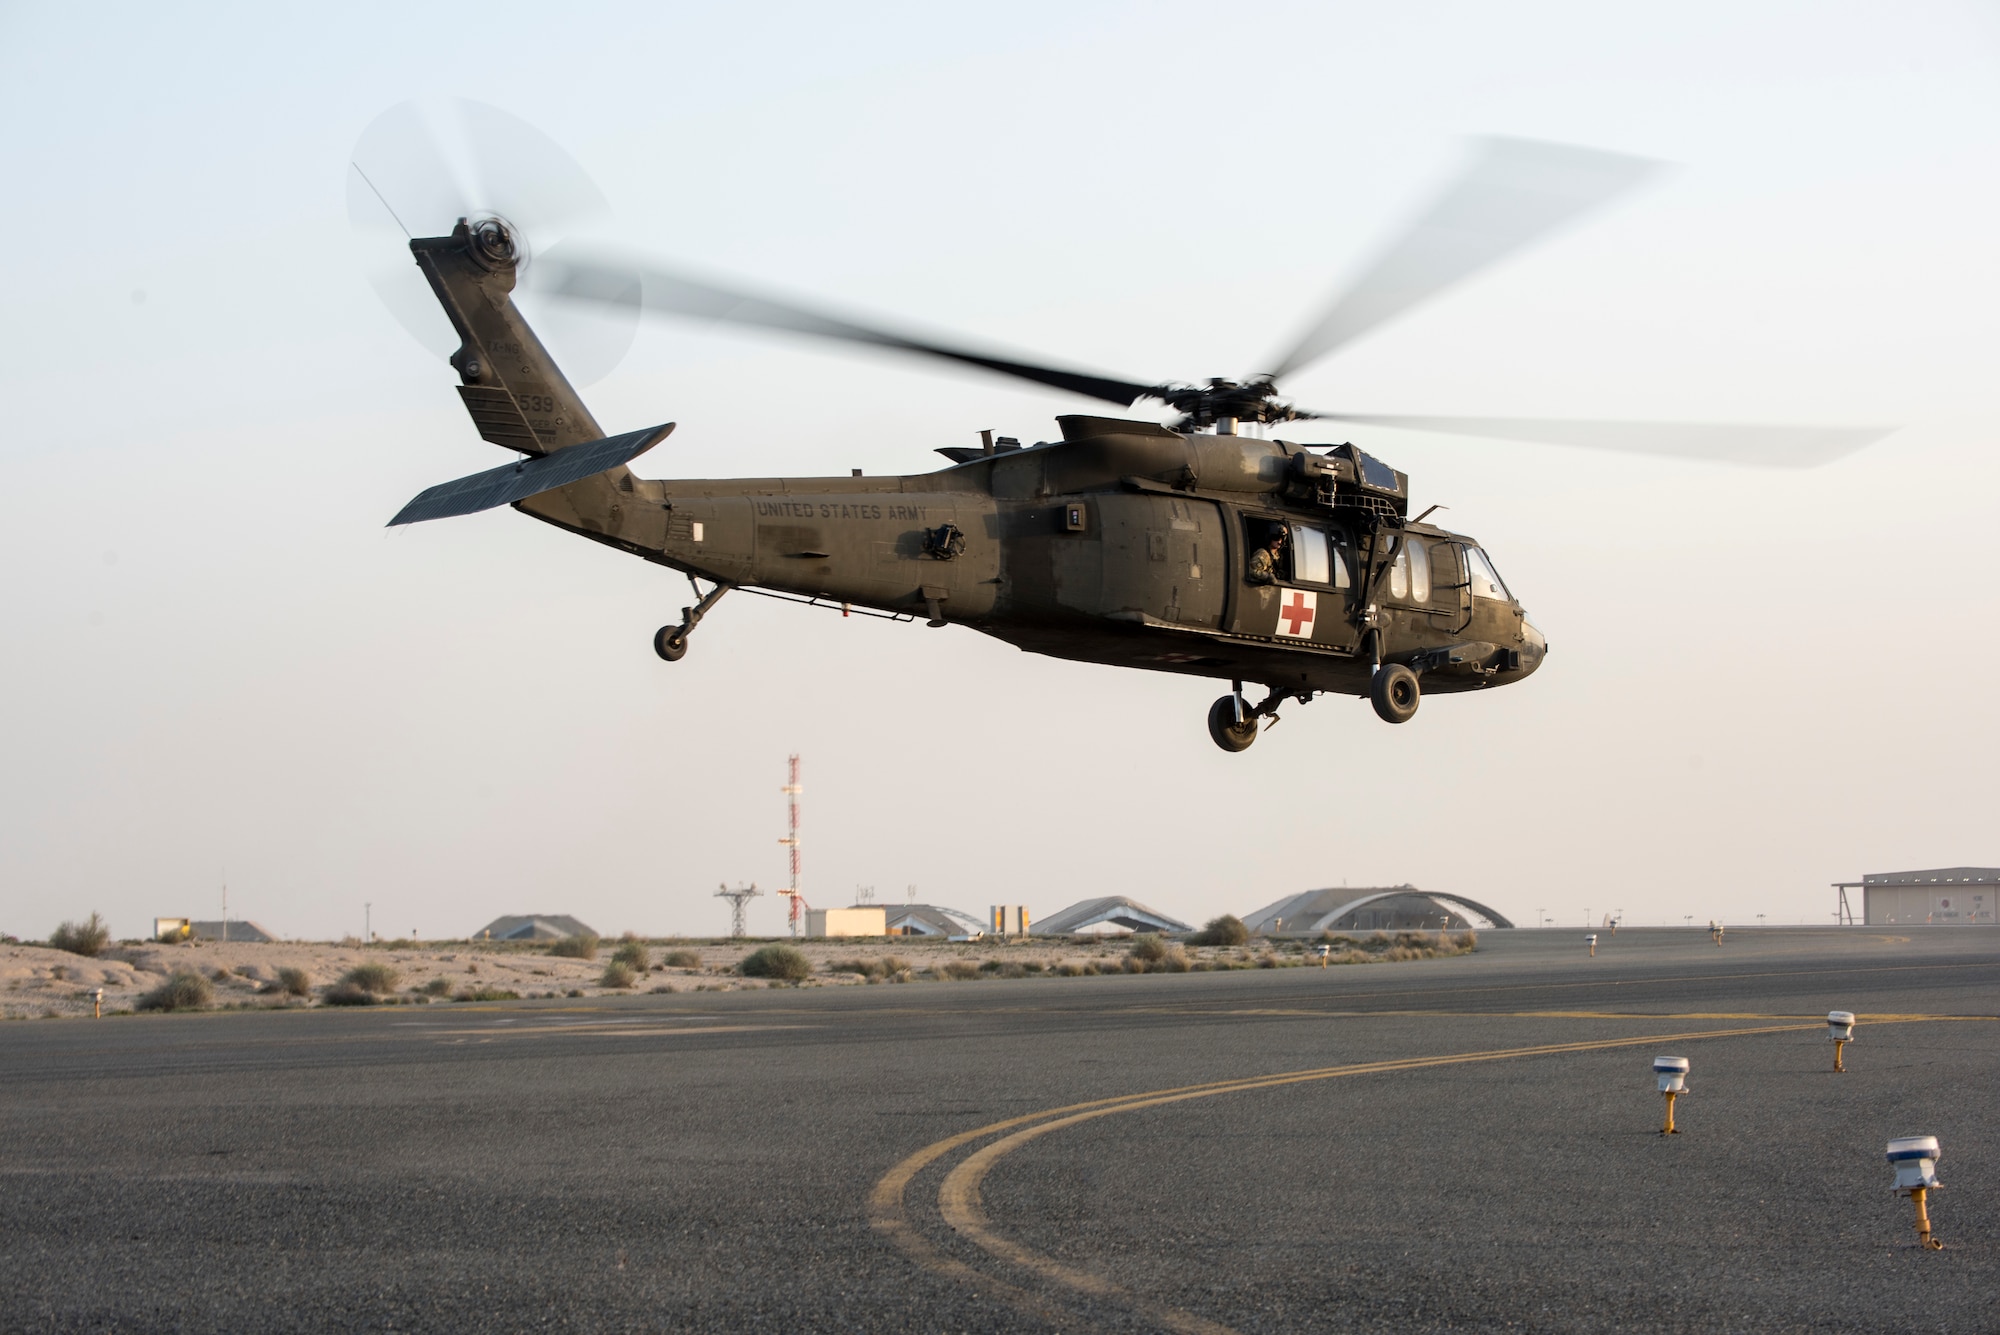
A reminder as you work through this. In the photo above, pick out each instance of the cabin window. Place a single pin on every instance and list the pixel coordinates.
(1485, 580)
(1309, 564)
(1420, 570)
(1399, 573)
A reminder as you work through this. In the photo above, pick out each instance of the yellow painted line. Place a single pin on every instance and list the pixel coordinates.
(610, 1030)
(1312, 1013)
(958, 1197)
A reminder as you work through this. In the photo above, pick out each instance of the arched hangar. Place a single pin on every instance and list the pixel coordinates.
(1400, 908)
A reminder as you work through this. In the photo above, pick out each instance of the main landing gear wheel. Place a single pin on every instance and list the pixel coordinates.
(1227, 732)
(1394, 693)
(671, 643)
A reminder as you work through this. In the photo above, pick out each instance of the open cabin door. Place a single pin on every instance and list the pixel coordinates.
(1311, 581)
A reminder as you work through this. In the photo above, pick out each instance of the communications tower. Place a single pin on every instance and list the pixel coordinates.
(737, 898)
(791, 791)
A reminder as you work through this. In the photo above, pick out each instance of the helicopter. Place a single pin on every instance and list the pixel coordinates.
(1200, 547)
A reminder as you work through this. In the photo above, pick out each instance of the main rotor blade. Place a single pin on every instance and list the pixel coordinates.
(1719, 442)
(609, 281)
(1514, 193)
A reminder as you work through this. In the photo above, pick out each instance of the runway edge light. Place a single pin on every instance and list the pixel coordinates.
(1915, 1160)
(1672, 1075)
(1839, 1028)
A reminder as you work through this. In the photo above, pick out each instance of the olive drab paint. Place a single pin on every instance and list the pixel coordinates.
(1124, 542)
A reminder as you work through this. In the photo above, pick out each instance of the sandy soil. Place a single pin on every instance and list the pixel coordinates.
(36, 981)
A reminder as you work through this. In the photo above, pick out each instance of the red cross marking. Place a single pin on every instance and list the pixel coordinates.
(1296, 612)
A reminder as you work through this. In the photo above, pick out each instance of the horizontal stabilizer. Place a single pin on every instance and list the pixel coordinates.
(530, 477)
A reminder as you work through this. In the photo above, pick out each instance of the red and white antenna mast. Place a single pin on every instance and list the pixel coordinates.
(791, 841)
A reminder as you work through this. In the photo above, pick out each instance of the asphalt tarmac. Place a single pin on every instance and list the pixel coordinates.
(1464, 1144)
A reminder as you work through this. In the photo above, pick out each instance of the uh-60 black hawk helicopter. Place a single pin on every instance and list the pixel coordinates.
(1197, 548)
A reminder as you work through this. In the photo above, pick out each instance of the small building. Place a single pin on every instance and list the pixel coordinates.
(1009, 920)
(1400, 908)
(1961, 896)
(1108, 915)
(533, 927)
(933, 920)
(236, 929)
(861, 920)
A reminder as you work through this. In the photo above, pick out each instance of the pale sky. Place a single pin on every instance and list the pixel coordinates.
(220, 662)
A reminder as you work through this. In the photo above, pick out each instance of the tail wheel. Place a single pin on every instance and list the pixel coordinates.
(1227, 732)
(1394, 693)
(671, 643)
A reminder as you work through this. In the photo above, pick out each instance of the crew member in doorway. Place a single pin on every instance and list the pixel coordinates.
(1264, 561)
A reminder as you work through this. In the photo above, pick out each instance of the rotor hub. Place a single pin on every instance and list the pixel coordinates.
(495, 242)
(1223, 403)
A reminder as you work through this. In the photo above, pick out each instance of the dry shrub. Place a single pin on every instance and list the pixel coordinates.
(185, 990)
(618, 974)
(436, 987)
(1174, 960)
(1466, 941)
(1074, 969)
(1147, 947)
(292, 982)
(374, 977)
(487, 994)
(81, 938)
(682, 959)
(632, 953)
(1227, 930)
(955, 970)
(583, 947)
(784, 963)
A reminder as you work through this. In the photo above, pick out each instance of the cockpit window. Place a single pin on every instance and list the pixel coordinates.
(1484, 578)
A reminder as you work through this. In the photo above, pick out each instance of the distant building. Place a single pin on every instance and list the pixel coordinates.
(1954, 895)
(533, 927)
(1009, 920)
(236, 929)
(933, 920)
(1400, 908)
(861, 920)
(1109, 915)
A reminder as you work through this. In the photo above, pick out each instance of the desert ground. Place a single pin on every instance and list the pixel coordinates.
(37, 981)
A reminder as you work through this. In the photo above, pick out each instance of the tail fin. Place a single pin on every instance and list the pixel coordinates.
(513, 389)
(517, 396)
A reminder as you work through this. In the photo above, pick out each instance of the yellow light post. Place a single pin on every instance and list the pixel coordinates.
(1671, 1073)
(97, 1003)
(1592, 940)
(1915, 1160)
(1839, 1028)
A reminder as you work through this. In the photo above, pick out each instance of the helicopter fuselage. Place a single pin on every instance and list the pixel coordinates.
(1124, 543)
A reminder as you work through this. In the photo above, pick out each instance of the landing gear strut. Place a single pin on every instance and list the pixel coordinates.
(671, 642)
(1233, 721)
